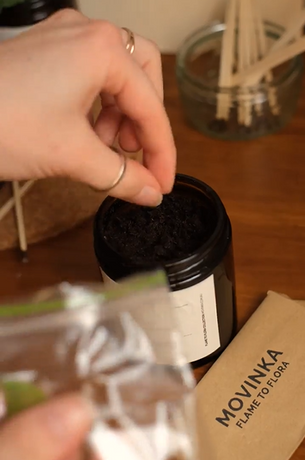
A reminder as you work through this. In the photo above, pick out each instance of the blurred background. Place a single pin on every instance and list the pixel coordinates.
(168, 22)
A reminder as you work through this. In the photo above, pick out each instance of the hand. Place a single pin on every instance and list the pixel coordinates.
(50, 77)
(52, 431)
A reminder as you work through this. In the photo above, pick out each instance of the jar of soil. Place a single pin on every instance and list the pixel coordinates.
(19, 15)
(190, 236)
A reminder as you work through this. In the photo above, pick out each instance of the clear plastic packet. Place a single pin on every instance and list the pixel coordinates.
(119, 347)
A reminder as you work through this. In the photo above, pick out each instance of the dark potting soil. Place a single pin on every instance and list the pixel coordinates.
(149, 236)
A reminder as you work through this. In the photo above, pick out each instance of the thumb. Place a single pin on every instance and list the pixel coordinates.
(51, 431)
(99, 166)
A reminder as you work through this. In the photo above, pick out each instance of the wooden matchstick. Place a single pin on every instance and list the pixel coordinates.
(253, 33)
(272, 96)
(255, 55)
(20, 221)
(241, 60)
(293, 31)
(8, 206)
(257, 71)
(247, 24)
(226, 61)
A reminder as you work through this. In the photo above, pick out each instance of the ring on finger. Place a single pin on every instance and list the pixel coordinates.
(130, 44)
(120, 174)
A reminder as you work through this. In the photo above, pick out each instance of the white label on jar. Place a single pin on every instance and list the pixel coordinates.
(196, 316)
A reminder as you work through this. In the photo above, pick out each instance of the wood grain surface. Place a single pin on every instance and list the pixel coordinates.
(50, 207)
(262, 184)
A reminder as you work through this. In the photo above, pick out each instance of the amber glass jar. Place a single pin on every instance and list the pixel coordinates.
(189, 236)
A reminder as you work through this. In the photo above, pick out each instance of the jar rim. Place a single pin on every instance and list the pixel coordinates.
(194, 39)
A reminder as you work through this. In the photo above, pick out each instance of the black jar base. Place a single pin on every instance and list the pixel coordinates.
(211, 358)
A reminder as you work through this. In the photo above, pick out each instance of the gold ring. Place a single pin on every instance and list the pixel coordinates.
(130, 45)
(120, 174)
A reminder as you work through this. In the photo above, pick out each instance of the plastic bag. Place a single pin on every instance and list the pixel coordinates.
(120, 349)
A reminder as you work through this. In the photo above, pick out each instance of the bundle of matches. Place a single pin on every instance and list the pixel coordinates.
(16, 202)
(247, 61)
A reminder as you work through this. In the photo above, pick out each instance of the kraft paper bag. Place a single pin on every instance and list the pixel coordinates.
(251, 404)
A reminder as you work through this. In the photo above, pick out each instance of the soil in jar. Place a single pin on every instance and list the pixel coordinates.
(148, 237)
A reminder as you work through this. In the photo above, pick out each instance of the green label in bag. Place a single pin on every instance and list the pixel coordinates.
(19, 396)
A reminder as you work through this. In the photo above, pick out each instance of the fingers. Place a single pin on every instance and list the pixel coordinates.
(128, 139)
(105, 66)
(137, 99)
(99, 166)
(148, 58)
(52, 431)
(109, 120)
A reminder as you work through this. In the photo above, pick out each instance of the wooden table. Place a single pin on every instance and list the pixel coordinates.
(262, 184)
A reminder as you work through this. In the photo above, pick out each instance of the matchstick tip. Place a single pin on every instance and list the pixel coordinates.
(24, 257)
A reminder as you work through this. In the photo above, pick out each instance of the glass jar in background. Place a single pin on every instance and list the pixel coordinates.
(197, 72)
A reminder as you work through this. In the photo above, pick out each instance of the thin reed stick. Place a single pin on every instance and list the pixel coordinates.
(226, 61)
(256, 72)
(8, 206)
(20, 221)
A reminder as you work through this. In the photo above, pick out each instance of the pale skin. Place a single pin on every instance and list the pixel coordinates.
(50, 77)
(56, 430)
(52, 431)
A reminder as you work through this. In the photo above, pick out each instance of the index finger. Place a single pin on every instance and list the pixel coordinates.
(137, 99)
(148, 57)
(55, 429)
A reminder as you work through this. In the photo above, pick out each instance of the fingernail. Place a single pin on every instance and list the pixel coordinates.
(148, 197)
(68, 416)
